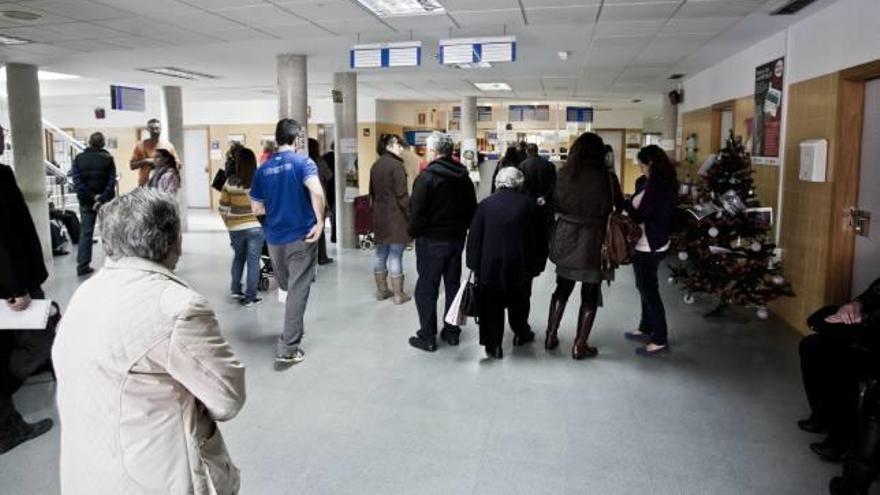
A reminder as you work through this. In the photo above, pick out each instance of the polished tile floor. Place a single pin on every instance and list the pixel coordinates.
(367, 414)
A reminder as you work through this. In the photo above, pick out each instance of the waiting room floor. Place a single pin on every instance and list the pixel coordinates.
(367, 414)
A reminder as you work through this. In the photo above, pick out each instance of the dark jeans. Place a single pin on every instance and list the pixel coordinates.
(247, 246)
(21, 353)
(491, 308)
(653, 320)
(87, 218)
(590, 293)
(436, 260)
(831, 367)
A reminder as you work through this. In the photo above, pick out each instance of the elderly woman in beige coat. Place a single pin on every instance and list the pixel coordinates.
(144, 374)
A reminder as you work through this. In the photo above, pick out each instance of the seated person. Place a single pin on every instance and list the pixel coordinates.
(830, 367)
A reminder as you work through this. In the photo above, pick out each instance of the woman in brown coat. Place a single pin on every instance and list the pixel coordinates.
(390, 199)
(586, 193)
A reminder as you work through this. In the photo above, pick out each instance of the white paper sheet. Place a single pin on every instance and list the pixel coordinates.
(34, 317)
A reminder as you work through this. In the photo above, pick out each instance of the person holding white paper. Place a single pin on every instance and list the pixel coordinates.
(21, 273)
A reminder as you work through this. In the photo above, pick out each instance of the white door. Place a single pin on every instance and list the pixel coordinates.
(726, 127)
(195, 166)
(615, 139)
(867, 249)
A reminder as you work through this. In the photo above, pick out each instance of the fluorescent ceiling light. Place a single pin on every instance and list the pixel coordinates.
(44, 75)
(178, 73)
(475, 65)
(6, 39)
(493, 86)
(399, 8)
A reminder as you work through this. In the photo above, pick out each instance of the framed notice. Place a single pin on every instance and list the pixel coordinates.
(769, 85)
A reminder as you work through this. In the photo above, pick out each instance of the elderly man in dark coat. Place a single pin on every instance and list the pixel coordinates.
(21, 273)
(506, 249)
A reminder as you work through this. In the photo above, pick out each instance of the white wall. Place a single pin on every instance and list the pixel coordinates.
(618, 119)
(842, 35)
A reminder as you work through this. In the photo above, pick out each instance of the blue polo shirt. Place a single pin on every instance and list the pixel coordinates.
(280, 184)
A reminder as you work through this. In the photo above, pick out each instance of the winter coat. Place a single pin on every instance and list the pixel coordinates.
(583, 204)
(21, 256)
(165, 179)
(144, 375)
(390, 199)
(94, 174)
(507, 245)
(443, 202)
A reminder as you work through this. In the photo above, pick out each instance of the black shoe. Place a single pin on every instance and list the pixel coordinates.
(85, 271)
(524, 338)
(495, 352)
(451, 337)
(251, 302)
(829, 450)
(325, 261)
(420, 343)
(24, 432)
(811, 425)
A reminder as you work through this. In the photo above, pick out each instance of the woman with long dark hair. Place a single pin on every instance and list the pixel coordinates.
(166, 176)
(325, 174)
(586, 193)
(652, 207)
(245, 232)
(390, 199)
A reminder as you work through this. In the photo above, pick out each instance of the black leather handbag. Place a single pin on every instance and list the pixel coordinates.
(469, 298)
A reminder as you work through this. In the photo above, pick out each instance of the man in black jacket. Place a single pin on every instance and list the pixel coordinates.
(94, 180)
(540, 176)
(831, 362)
(442, 204)
(21, 273)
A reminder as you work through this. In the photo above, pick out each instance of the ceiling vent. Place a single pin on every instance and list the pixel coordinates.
(792, 7)
(675, 77)
(20, 15)
(179, 73)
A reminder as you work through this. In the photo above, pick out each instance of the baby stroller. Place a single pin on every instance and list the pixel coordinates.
(363, 222)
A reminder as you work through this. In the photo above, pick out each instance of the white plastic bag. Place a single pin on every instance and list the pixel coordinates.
(454, 316)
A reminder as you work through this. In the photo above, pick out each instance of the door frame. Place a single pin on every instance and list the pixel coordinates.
(619, 148)
(845, 177)
(207, 130)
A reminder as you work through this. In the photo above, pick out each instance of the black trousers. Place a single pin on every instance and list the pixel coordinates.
(653, 320)
(492, 304)
(21, 354)
(590, 293)
(832, 366)
(88, 217)
(436, 260)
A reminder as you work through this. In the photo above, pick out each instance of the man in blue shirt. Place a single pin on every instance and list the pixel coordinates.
(287, 189)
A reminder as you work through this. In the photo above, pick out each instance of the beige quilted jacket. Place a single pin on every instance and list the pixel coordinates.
(143, 376)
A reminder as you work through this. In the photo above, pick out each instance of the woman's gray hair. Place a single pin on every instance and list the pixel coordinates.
(144, 223)
(509, 178)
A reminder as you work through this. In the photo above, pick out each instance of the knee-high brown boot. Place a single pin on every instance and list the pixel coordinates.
(580, 349)
(557, 309)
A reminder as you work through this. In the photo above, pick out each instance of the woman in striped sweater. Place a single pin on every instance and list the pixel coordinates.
(245, 232)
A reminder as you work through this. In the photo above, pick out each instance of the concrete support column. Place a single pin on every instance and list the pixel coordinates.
(346, 139)
(670, 125)
(469, 131)
(26, 124)
(173, 109)
(293, 89)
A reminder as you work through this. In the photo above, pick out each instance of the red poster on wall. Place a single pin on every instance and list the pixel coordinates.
(768, 112)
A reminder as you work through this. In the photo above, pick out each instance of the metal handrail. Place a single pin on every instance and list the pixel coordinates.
(55, 130)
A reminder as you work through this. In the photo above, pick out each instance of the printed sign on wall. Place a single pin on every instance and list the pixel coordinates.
(769, 85)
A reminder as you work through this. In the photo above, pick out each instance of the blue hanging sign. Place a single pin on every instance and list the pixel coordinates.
(478, 50)
(384, 55)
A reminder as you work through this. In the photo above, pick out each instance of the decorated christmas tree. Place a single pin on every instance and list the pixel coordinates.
(726, 250)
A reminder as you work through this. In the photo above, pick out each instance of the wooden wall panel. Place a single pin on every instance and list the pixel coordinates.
(126, 139)
(807, 214)
(697, 122)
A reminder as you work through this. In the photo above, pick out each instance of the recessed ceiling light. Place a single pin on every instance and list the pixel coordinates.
(675, 77)
(475, 65)
(44, 75)
(5, 39)
(178, 73)
(563, 55)
(398, 8)
(493, 86)
(20, 15)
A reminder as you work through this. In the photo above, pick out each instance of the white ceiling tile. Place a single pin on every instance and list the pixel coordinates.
(182, 37)
(35, 34)
(203, 22)
(83, 30)
(90, 46)
(456, 5)
(261, 15)
(489, 18)
(620, 43)
(634, 12)
(222, 4)
(295, 31)
(706, 25)
(562, 15)
(719, 8)
(158, 9)
(135, 25)
(326, 10)
(419, 23)
(82, 10)
(627, 28)
(368, 25)
(137, 42)
(242, 34)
